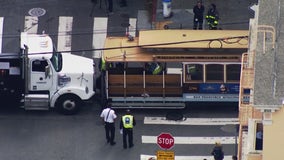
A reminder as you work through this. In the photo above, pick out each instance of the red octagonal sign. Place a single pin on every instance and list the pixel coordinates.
(165, 140)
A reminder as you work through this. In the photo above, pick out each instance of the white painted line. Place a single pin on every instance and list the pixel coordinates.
(99, 35)
(132, 27)
(1, 32)
(31, 24)
(64, 34)
(192, 121)
(193, 140)
(147, 157)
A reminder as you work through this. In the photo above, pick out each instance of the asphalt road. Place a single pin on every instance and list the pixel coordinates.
(45, 135)
(34, 135)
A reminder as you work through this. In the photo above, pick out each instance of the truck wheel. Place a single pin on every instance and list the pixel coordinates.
(69, 104)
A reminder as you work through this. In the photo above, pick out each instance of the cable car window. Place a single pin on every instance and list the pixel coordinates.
(39, 65)
(215, 72)
(194, 72)
(233, 72)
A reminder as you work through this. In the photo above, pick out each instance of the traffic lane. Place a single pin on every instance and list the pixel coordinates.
(48, 138)
(189, 140)
(188, 150)
(45, 135)
(193, 110)
(183, 131)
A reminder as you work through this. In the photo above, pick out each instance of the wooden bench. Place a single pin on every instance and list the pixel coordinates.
(153, 85)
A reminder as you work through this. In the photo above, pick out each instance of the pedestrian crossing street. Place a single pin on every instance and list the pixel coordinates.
(147, 139)
(65, 29)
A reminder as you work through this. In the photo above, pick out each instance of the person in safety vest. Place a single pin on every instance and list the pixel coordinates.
(212, 17)
(103, 64)
(126, 128)
(154, 68)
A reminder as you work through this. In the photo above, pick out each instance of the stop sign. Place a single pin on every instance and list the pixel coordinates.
(165, 140)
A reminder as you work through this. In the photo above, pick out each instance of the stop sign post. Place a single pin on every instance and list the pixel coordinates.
(165, 141)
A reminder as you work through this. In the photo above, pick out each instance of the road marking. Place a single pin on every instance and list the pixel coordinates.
(64, 34)
(99, 35)
(31, 24)
(147, 157)
(132, 27)
(193, 140)
(192, 121)
(1, 32)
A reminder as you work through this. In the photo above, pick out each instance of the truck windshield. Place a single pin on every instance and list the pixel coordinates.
(56, 61)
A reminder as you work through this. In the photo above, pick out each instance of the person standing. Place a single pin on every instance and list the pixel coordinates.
(198, 11)
(212, 17)
(259, 140)
(126, 126)
(108, 115)
(217, 151)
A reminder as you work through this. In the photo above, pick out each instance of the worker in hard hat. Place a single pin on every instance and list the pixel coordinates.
(212, 17)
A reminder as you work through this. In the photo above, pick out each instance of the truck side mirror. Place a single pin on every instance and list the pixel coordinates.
(47, 71)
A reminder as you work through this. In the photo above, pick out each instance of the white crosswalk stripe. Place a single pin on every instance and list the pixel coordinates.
(132, 27)
(147, 157)
(64, 41)
(1, 32)
(191, 121)
(99, 35)
(146, 139)
(192, 140)
(31, 24)
(65, 25)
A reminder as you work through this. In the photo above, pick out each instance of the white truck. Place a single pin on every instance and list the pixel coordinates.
(39, 78)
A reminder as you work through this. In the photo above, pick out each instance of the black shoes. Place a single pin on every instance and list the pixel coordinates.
(113, 143)
(130, 146)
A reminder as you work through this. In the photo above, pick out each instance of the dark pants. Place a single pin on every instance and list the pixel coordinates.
(110, 130)
(258, 145)
(127, 133)
(110, 5)
(198, 24)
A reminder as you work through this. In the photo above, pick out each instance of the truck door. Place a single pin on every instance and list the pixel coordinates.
(40, 75)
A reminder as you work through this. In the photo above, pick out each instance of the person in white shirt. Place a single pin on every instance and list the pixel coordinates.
(108, 115)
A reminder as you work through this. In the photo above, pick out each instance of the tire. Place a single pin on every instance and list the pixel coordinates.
(69, 104)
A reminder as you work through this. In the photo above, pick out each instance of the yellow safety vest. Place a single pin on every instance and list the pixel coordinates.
(127, 121)
(157, 70)
(103, 64)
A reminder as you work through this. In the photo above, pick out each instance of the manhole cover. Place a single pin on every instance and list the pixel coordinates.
(37, 12)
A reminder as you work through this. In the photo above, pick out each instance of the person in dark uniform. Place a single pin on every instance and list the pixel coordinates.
(108, 115)
(126, 127)
(217, 151)
(198, 11)
(212, 17)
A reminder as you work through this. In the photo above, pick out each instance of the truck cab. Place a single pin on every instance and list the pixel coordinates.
(50, 79)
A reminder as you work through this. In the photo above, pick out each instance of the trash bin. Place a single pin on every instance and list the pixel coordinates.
(167, 8)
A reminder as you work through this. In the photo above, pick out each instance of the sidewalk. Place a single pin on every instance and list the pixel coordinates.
(231, 17)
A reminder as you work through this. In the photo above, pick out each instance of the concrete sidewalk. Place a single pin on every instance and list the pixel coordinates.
(234, 14)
